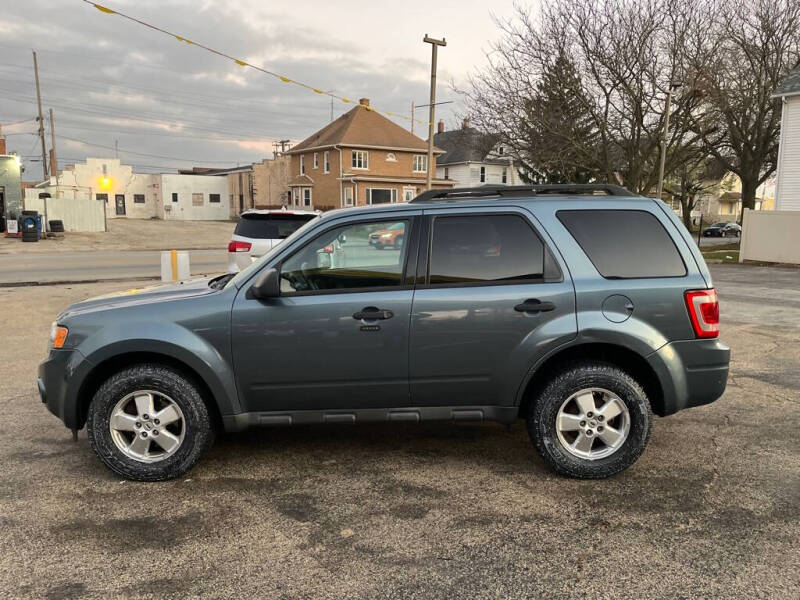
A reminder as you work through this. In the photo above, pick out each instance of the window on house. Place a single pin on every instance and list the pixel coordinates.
(103, 197)
(501, 150)
(381, 195)
(505, 176)
(295, 196)
(446, 173)
(175, 196)
(213, 198)
(420, 163)
(326, 162)
(316, 163)
(306, 196)
(348, 196)
(230, 199)
(483, 174)
(485, 249)
(138, 198)
(302, 165)
(391, 157)
(360, 159)
(197, 199)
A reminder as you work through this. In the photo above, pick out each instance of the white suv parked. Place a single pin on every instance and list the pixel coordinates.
(258, 231)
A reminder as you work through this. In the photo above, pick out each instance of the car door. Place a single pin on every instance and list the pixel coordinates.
(495, 298)
(337, 336)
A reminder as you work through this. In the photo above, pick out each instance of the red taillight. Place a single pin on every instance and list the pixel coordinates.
(236, 246)
(704, 312)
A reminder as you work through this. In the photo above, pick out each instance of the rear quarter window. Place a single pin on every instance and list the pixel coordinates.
(624, 244)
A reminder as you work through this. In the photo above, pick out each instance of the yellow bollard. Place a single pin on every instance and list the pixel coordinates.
(174, 260)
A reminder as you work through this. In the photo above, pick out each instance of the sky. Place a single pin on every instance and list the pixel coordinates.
(169, 105)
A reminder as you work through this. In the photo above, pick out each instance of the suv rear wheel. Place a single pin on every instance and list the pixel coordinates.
(590, 421)
(149, 423)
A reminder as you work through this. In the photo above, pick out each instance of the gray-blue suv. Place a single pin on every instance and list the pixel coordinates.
(581, 309)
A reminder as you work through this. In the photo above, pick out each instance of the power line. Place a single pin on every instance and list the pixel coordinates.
(238, 61)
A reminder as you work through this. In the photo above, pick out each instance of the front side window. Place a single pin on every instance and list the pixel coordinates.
(420, 163)
(360, 159)
(485, 249)
(624, 244)
(354, 256)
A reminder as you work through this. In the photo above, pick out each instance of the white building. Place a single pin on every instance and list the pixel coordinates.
(787, 193)
(126, 194)
(473, 158)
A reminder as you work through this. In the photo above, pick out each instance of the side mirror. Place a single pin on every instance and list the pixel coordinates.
(342, 238)
(267, 285)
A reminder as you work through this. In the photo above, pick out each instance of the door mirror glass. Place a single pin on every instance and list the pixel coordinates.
(267, 285)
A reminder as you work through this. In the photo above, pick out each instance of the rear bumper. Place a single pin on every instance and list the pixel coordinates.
(60, 377)
(691, 372)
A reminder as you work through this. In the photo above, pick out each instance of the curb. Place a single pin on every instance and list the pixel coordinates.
(11, 284)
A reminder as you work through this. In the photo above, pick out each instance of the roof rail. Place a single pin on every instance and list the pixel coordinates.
(561, 189)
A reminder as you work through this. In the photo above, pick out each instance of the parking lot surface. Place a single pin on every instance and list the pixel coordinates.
(439, 510)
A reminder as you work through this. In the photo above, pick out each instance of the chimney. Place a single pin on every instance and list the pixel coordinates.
(2, 144)
(465, 124)
(441, 126)
(363, 101)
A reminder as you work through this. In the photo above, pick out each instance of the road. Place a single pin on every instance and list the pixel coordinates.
(89, 266)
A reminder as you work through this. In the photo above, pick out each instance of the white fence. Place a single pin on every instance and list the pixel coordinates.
(771, 236)
(78, 212)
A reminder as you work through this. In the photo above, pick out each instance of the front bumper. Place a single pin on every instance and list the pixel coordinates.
(691, 372)
(60, 378)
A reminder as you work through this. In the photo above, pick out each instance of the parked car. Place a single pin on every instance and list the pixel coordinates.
(723, 229)
(258, 231)
(393, 236)
(583, 315)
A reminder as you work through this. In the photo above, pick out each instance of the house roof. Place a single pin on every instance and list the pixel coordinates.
(466, 145)
(362, 126)
(789, 86)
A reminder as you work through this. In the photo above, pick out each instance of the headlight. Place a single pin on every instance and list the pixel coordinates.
(58, 335)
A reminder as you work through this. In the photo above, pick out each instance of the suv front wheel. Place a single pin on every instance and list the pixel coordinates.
(590, 421)
(149, 423)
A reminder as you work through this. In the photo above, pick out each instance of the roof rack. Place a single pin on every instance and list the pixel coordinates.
(561, 189)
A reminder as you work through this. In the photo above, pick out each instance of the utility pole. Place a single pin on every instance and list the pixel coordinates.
(53, 159)
(116, 148)
(41, 120)
(434, 47)
(672, 86)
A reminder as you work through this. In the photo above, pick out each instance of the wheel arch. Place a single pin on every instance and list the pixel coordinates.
(123, 360)
(628, 360)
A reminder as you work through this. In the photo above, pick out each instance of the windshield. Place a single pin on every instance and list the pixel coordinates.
(245, 273)
(718, 224)
(270, 226)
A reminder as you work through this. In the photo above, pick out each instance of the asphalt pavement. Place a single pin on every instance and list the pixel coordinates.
(434, 510)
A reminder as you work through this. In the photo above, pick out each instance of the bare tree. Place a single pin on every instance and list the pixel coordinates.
(751, 46)
(608, 66)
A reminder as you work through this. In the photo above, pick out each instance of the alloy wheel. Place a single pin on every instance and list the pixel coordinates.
(147, 426)
(592, 423)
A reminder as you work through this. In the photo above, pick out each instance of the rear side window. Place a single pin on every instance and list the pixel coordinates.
(624, 244)
(270, 226)
(485, 248)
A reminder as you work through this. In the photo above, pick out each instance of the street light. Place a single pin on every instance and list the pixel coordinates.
(434, 47)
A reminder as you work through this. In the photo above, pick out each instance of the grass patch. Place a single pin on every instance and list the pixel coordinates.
(726, 256)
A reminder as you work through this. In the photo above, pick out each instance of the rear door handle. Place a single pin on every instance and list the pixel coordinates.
(534, 305)
(371, 313)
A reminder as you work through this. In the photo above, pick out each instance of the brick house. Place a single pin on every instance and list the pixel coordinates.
(360, 158)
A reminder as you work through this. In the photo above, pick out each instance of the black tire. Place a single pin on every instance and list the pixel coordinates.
(56, 226)
(30, 236)
(578, 376)
(33, 213)
(198, 434)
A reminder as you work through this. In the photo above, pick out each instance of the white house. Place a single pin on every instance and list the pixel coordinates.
(787, 193)
(126, 194)
(473, 158)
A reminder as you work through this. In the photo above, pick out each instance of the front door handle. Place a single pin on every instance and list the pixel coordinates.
(371, 313)
(534, 305)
